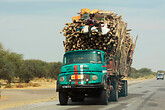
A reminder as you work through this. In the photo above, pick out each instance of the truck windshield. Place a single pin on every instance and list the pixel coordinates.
(160, 75)
(82, 57)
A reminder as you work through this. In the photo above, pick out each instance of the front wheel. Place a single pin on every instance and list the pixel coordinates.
(63, 98)
(104, 97)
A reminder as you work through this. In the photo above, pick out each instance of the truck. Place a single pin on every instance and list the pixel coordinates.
(160, 76)
(94, 66)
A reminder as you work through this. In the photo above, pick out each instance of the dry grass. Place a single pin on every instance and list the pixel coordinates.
(36, 83)
(42, 80)
(141, 78)
(25, 85)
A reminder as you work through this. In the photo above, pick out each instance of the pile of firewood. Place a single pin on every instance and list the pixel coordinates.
(117, 42)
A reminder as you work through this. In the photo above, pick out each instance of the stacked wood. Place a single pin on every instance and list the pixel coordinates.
(117, 43)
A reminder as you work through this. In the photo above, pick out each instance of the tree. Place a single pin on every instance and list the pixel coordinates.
(55, 69)
(160, 71)
(144, 70)
(26, 71)
(7, 67)
(12, 65)
(31, 69)
(16, 60)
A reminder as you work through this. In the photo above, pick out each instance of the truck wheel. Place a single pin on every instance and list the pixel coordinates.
(63, 98)
(109, 98)
(114, 92)
(126, 88)
(124, 91)
(104, 97)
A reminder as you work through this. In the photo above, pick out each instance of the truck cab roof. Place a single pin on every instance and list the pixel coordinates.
(84, 50)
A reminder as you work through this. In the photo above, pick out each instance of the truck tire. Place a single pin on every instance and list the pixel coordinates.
(124, 90)
(104, 97)
(109, 98)
(63, 98)
(114, 92)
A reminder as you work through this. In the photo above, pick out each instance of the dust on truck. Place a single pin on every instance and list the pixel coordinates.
(98, 55)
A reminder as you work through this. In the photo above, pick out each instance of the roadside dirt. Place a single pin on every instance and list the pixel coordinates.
(134, 81)
(22, 96)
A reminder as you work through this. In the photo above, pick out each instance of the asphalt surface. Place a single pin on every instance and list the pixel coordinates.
(147, 95)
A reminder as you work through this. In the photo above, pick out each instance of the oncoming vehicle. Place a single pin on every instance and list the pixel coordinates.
(160, 76)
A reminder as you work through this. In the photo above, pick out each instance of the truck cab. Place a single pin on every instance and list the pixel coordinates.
(83, 73)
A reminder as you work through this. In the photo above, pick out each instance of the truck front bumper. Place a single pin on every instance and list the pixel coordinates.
(80, 86)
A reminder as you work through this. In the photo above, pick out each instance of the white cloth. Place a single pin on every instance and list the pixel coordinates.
(104, 29)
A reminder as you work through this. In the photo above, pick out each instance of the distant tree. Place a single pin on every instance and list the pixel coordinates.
(8, 71)
(7, 64)
(133, 70)
(1, 47)
(32, 69)
(144, 70)
(12, 65)
(38, 68)
(55, 69)
(16, 60)
(133, 73)
(26, 71)
(160, 71)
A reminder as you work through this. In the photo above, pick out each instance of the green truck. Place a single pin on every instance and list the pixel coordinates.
(96, 58)
(88, 73)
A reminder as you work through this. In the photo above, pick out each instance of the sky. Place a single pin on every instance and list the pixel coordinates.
(32, 27)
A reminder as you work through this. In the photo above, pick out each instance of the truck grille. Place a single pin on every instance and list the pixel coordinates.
(86, 76)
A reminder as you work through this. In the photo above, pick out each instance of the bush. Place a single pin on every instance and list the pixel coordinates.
(143, 72)
(35, 84)
(134, 75)
(24, 85)
(0, 84)
(8, 86)
(20, 85)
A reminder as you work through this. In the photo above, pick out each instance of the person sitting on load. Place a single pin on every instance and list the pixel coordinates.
(92, 22)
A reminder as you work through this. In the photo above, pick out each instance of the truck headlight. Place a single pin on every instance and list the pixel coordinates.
(94, 77)
(61, 79)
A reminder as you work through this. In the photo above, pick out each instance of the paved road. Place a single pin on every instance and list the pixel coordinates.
(147, 95)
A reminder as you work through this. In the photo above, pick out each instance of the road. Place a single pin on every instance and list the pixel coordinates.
(147, 95)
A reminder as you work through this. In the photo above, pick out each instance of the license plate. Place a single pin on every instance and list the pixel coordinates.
(66, 86)
(78, 76)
